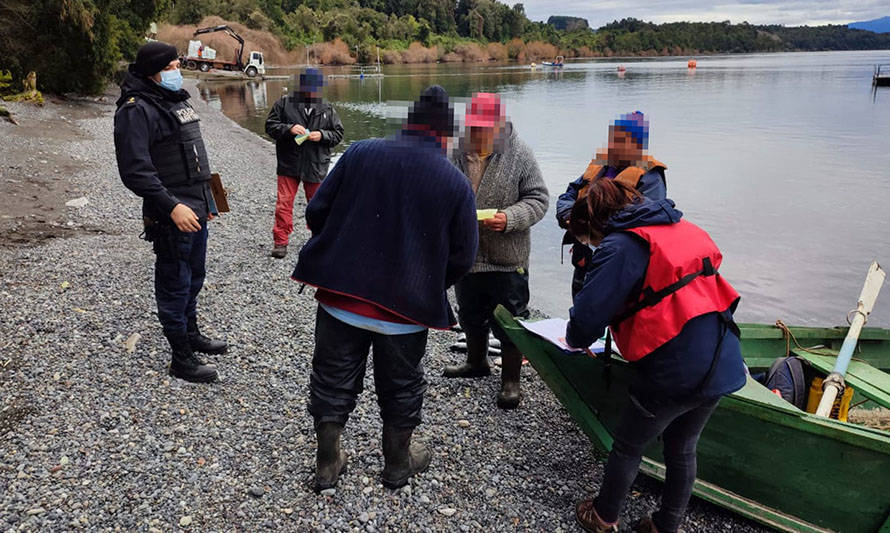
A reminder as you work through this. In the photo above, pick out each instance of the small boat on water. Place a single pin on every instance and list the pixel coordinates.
(881, 78)
(760, 456)
(558, 62)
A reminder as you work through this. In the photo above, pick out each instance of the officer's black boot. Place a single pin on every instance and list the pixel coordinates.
(330, 460)
(402, 457)
(202, 343)
(477, 359)
(511, 369)
(186, 365)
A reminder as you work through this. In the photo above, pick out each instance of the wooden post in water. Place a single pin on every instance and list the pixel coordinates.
(834, 383)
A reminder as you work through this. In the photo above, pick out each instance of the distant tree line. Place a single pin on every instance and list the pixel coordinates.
(76, 45)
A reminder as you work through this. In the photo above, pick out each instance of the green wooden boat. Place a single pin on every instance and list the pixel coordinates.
(759, 456)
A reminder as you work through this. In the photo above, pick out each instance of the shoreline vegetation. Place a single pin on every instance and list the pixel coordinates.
(100, 36)
(628, 38)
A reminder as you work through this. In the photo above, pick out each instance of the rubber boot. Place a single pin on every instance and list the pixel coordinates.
(402, 457)
(477, 359)
(202, 343)
(511, 367)
(330, 460)
(186, 365)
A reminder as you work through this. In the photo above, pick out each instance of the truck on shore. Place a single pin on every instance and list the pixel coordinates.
(204, 58)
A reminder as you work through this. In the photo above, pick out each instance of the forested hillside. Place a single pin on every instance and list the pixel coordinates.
(52, 37)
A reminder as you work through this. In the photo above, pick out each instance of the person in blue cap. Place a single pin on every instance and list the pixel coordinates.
(625, 160)
(300, 157)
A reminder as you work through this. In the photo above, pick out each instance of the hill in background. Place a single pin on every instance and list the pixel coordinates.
(881, 25)
(564, 23)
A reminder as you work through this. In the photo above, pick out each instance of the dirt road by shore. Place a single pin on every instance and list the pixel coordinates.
(36, 170)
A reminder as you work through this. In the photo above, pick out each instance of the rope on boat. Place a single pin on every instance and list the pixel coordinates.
(789, 336)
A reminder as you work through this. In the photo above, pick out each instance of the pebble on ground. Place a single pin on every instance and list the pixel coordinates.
(94, 435)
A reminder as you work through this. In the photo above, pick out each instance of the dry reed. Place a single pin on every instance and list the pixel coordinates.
(226, 47)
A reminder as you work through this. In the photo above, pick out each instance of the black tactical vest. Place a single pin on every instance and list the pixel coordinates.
(181, 159)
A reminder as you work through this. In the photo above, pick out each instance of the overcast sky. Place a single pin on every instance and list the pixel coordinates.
(789, 12)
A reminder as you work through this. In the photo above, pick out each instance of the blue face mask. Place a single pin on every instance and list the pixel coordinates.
(171, 79)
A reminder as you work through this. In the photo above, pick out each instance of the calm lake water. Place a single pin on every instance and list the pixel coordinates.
(783, 158)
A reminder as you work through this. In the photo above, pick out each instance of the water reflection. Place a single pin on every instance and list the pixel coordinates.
(782, 157)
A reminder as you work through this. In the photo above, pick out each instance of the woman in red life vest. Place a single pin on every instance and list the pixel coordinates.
(654, 281)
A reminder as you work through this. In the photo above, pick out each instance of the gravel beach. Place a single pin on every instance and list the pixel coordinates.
(95, 436)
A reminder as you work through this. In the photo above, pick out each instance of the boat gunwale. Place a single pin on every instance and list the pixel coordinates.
(789, 416)
(754, 331)
(588, 420)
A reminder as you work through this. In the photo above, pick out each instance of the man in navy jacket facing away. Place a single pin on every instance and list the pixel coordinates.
(393, 226)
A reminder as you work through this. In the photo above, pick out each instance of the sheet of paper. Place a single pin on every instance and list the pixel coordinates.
(554, 331)
(485, 214)
(300, 139)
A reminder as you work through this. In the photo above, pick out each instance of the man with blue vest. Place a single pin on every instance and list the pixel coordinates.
(393, 226)
(161, 157)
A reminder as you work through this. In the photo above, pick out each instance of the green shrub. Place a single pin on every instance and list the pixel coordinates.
(72, 45)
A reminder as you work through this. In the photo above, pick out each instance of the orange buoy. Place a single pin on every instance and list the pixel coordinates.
(621, 68)
(692, 64)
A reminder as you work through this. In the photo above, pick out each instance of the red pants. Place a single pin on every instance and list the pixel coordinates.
(284, 206)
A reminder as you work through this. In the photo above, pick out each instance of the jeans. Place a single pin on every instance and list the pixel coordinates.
(338, 372)
(180, 260)
(680, 422)
(284, 206)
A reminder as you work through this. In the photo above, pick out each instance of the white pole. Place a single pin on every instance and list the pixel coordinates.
(834, 383)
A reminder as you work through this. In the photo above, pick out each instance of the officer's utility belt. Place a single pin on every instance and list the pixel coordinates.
(168, 242)
(153, 229)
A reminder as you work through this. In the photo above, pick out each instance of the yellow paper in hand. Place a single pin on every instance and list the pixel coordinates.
(485, 214)
(300, 139)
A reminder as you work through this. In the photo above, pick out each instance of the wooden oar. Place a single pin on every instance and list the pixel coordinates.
(834, 383)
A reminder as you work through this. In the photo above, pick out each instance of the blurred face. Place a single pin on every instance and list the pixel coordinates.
(311, 94)
(623, 149)
(482, 139)
(173, 65)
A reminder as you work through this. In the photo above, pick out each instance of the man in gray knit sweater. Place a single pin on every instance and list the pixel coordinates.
(505, 177)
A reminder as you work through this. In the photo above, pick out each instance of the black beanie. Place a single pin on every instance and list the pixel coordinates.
(434, 111)
(154, 57)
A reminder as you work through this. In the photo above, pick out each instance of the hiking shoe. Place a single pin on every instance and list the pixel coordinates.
(202, 343)
(279, 251)
(591, 522)
(647, 525)
(186, 365)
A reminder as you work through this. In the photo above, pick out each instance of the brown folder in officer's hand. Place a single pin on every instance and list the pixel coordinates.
(219, 193)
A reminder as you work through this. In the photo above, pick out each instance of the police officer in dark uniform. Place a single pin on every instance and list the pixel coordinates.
(161, 157)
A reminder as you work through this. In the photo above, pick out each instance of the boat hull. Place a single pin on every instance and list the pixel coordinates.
(758, 456)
